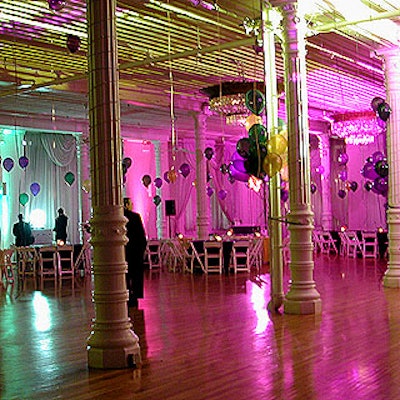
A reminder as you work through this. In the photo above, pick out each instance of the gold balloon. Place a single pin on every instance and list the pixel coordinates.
(277, 144)
(272, 164)
(86, 185)
(252, 120)
(172, 175)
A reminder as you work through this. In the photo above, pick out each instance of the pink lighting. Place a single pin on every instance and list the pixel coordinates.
(357, 128)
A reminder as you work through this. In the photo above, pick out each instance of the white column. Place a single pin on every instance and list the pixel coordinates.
(392, 70)
(159, 220)
(112, 343)
(326, 203)
(303, 297)
(274, 198)
(203, 208)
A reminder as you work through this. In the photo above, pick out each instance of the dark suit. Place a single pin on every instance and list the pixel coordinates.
(23, 234)
(134, 251)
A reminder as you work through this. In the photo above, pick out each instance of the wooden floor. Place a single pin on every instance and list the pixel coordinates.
(210, 337)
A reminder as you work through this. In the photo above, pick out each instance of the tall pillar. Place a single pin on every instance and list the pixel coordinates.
(326, 202)
(274, 198)
(159, 220)
(203, 212)
(302, 297)
(112, 343)
(392, 71)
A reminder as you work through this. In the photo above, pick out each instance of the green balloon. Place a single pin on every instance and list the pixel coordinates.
(69, 178)
(23, 198)
(255, 101)
(258, 133)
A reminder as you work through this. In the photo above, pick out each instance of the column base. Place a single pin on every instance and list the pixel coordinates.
(115, 357)
(302, 307)
(391, 281)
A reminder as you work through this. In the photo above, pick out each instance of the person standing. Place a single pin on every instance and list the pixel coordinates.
(22, 232)
(134, 253)
(60, 227)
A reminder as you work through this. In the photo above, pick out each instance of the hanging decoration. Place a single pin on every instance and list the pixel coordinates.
(157, 200)
(381, 108)
(146, 180)
(376, 171)
(208, 153)
(158, 183)
(222, 194)
(69, 178)
(35, 188)
(87, 185)
(209, 191)
(357, 127)
(23, 199)
(73, 43)
(56, 5)
(23, 162)
(166, 177)
(184, 170)
(8, 164)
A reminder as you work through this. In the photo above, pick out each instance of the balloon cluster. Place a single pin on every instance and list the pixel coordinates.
(352, 186)
(376, 171)
(381, 108)
(170, 176)
(255, 155)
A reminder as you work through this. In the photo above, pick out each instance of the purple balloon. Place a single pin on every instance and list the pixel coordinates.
(238, 175)
(343, 159)
(222, 194)
(381, 185)
(239, 165)
(166, 179)
(369, 172)
(236, 156)
(377, 156)
(184, 169)
(23, 162)
(368, 186)
(56, 5)
(284, 195)
(209, 191)
(8, 164)
(313, 188)
(343, 175)
(342, 193)
(35, 188)
(158, 183)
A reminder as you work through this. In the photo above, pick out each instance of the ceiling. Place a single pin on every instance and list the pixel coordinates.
(173, 49)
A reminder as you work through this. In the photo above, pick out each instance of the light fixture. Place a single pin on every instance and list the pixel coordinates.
(229, 99)
(357, 127)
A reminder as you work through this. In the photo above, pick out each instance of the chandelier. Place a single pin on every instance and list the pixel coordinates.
(229, 99)
(358, 127)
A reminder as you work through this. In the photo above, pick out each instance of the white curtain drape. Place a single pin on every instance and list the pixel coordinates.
(50, 157)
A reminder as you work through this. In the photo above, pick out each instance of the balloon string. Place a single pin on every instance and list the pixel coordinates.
(171, 80)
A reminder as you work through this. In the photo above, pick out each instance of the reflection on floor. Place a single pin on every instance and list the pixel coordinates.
(211, 337)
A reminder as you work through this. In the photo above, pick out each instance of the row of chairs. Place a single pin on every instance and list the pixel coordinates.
(183, 255)
(351, 244)
(56, 261)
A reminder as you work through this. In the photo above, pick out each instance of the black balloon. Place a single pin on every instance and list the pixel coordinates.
(208, 153)
(376, 102)
(353, 186)
(384, 111)
(382, 168)
(243, 147)
(73, 43)
(368, 186)
(342, 193)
